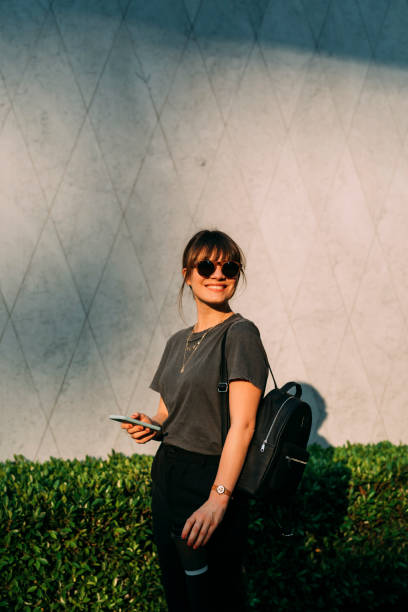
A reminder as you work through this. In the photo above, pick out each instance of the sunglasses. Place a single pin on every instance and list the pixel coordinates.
(206, 267)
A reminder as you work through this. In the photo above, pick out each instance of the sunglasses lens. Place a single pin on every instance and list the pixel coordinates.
(230, 269)
(205, 268)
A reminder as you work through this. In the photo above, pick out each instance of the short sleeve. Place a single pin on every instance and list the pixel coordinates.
(245, 354)
(156, 382)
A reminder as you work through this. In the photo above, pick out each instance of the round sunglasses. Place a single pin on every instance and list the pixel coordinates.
(206, 267)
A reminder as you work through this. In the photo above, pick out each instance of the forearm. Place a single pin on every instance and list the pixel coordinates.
(158, 418)
(161, 414)
(201, 524)
(233, 455)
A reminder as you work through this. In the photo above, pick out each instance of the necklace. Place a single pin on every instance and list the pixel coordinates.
(193, 349)
(196, 345)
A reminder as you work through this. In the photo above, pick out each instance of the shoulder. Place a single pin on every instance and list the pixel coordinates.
(243, 327)
(243, 335)
(179, 336)
(245, 354)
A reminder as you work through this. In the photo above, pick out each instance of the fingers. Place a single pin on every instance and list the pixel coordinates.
(143, 436)
(209, 534)
(197, 530)
(135, 415)
(139, 433)
(202, 535)
(135, 428)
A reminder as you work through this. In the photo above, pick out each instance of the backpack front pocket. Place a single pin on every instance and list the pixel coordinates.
(291, 463)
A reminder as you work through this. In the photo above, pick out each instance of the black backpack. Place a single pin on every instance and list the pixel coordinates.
(277, 454)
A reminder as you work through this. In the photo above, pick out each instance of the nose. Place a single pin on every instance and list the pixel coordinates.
(218, 273)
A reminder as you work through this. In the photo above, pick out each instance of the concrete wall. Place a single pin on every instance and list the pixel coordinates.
(125, 126)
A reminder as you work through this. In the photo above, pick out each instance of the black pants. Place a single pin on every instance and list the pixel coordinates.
(181, 483)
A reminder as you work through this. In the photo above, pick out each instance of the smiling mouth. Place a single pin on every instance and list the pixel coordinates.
(216, 287)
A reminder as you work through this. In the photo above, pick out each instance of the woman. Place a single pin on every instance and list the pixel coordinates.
(199, 523)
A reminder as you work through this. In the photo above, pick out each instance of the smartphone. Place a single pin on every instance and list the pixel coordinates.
(126, 419)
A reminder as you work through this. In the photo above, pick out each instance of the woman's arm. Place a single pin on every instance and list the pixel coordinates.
(142, 434)
(244, 399)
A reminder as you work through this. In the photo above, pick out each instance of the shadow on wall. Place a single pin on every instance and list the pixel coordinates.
(349, 30)
(319, 413)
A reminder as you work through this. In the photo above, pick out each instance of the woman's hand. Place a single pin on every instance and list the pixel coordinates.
(140, 434)
(200, 526)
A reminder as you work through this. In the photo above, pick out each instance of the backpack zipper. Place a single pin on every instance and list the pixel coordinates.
(297, 460)
(262, 449)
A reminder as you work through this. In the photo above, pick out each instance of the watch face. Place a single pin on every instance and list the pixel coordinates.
(220, 489)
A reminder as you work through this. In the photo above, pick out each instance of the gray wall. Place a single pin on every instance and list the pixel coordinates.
(125, 127)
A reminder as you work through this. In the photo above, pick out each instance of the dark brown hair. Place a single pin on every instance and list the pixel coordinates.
(207, 243)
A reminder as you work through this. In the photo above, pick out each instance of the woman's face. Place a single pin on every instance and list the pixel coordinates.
(214, 290)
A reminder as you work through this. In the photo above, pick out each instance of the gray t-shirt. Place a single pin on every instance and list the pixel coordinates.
(191, 397)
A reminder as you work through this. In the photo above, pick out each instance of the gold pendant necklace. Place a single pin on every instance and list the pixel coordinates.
(193, 350)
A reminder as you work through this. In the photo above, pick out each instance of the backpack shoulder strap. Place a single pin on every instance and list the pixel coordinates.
(223, 386)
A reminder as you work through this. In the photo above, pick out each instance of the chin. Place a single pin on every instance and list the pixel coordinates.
(216, 300)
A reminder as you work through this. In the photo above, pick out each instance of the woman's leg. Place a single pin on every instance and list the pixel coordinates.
(182, 482)
(173, 577)
(172, 572)
(226, 551)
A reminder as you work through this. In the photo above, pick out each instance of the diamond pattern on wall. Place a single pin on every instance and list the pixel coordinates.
(3, 316)
(315, 119)
(348, 229)
(256, 129)
(344, 34)
(354, 396)
(392, 55)
(86, 377)
(125, 127)
(288, 46)
(288, 225)
(392, 229)
(80, 23)
(377, 321)
(4, 104)
(225, 37)
(159, 47)
(374, 14)
(48, 317)
(18, 399)
(23, 210)
(192, 124)
(20, 25)
(318, 316)
(158, 217)
(86, 214)
(49, 108)
(374, 142)
(123, 317)
(225, 191)
(394, 401)
(123, 124)
(192, 7)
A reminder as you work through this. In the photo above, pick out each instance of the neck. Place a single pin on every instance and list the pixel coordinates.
(208, 316)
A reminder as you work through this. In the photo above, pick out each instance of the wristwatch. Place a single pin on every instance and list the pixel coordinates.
(221, 490)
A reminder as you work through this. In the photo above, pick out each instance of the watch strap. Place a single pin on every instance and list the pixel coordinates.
(221, 490)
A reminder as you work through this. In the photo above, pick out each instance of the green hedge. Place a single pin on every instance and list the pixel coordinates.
(76, 535)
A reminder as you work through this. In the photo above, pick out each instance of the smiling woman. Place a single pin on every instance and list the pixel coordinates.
(199, 522)
(212, 260)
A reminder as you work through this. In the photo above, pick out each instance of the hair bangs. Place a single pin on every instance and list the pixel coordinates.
(209, 245)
